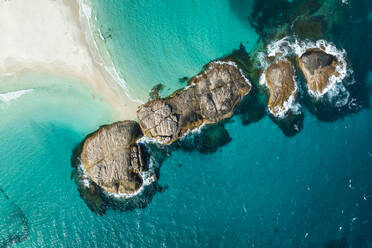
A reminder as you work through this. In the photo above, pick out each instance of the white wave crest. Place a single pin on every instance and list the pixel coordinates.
(147, 140)
(100, 54)
(263, 60)
(148, 177)
(291, 104)
(12, 95)
(289, 46)
(196, 130)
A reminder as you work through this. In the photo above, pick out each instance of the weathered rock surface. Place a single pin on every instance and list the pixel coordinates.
(317, 67)
(112, 159)
(279, 78)
(211, 97)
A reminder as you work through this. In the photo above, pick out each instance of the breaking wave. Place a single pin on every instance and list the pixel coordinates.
(148, 178)
(13, 95)
(336, 92)
(291, 104)
(100, 53)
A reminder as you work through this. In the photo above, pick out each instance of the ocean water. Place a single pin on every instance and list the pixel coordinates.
(261, 189)
(146, 39)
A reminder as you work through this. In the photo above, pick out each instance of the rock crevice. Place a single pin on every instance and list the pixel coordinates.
(211, 97)
(112, 159)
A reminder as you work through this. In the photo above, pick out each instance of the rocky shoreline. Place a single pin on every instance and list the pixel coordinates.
(112, 157)
(282, 86)
(210, 97)
(113, 160)
(318, 67)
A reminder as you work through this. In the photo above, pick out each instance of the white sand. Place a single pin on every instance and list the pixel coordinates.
(46, 36)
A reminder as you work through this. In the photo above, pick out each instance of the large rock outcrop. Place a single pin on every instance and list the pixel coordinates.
(317, 67)
(112, 159)
(211, 97)
(282, 87)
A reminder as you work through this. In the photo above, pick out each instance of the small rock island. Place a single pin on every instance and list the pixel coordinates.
(210, 97)
(113, 160)
(317, 67)
(280, 81)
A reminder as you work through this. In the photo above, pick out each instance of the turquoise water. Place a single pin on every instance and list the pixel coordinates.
(154, 42)
(262, 189)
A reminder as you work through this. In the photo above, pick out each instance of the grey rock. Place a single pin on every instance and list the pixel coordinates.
(211, 97)
(112, 159)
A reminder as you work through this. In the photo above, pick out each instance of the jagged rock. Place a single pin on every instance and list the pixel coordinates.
(279, 78)
(112, 159)
(317, 67)
(211, 97)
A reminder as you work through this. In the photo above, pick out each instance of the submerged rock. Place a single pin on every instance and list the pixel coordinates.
(317, 67)
(211, 97)
(113, 160)
(14, 226)
(283, 89)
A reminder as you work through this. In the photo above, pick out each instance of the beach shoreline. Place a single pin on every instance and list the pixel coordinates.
(51, 37)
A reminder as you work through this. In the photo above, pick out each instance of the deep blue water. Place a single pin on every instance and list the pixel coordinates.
(262, 189)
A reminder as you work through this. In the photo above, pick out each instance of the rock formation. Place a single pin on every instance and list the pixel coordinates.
(317, 67)
(112, 159)
(210, 97)
(279, 79)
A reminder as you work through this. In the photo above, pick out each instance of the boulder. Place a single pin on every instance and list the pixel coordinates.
(317, 67)
(112, 159)
(210, 97)
(279, 78)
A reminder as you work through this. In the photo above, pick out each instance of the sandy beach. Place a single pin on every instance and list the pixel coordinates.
(47, 36)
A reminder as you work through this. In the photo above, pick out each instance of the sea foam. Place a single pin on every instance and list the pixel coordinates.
(12, 95)
(148, 177)
(100, 53)
(336, 91)
(291, 104)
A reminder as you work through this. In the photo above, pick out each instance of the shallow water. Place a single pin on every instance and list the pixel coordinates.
(262, 189)
(154, 42)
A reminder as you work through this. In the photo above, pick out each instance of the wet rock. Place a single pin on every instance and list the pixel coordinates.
(112, 159)
(210, 97)
(283, 88)
(209, 140)
(317, 67)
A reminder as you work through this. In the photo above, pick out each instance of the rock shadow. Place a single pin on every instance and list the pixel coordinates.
(253, 106)
(354, 35)
(291, 125)
(266, 18)
(206, 141)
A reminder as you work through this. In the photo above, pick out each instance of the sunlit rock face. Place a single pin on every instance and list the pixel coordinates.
(211, 97)
(282, 86)
(317, 67)
(113, 160)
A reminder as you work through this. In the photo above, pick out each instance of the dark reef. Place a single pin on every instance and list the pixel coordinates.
(14, 226)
